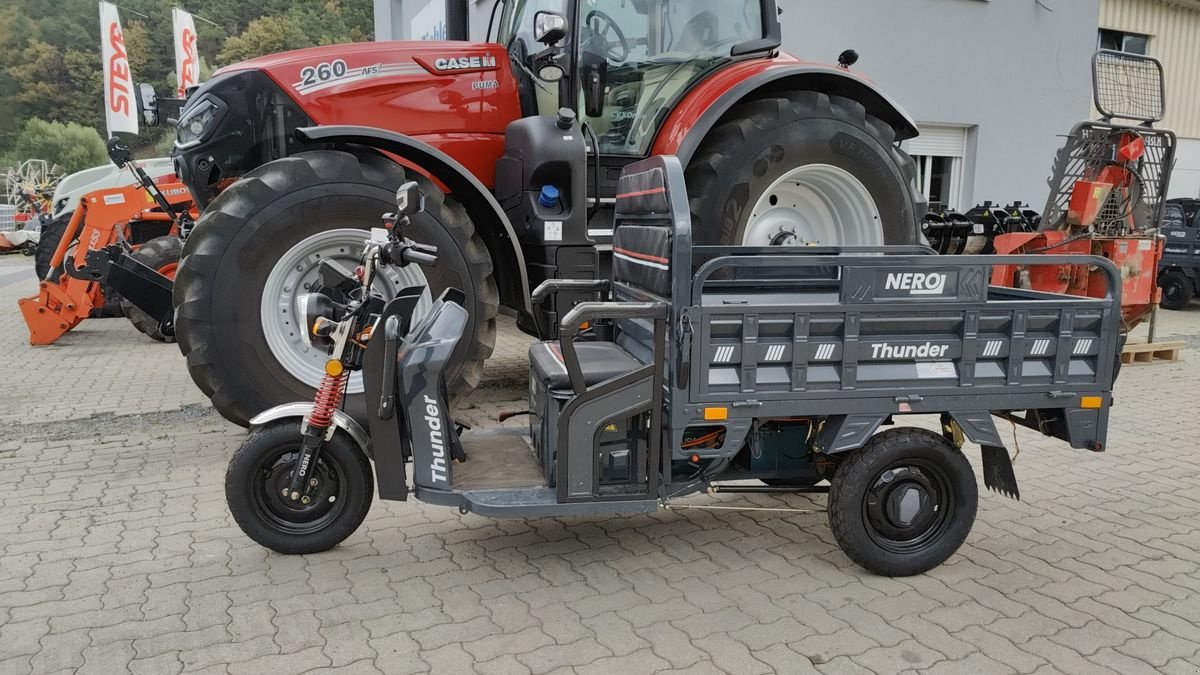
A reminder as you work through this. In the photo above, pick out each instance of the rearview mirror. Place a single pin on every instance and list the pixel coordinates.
(147, 102)
(549, 28)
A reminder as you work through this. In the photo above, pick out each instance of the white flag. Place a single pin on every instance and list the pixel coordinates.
(120, 110)
(187, 61)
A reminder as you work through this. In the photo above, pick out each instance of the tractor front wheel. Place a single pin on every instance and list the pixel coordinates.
(258, 248)
(51, 233)
(804, 168)
(160, 254)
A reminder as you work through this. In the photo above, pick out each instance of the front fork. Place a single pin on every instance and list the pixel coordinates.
(317, 428)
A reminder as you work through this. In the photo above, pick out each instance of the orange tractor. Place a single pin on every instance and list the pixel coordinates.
(1108, 193)
(128, 238)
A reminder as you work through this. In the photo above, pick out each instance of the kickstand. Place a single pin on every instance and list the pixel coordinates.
(505, 416)
(998, 474)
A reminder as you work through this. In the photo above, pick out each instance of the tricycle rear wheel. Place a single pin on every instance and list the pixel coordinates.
(261, 469)
(903, 503)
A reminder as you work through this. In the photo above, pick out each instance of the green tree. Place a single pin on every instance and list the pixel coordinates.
(265, 35)
(71, 146)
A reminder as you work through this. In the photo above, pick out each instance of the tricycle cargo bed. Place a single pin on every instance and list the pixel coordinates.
(811, 341)
(784, 334)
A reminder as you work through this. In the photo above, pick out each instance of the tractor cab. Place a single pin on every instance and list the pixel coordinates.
(625, 65)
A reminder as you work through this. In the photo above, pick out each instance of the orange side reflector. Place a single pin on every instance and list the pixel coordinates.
(1091, 402)
(716, 414)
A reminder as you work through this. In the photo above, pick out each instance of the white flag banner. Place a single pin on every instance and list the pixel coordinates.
(187, 61)
(120, 110)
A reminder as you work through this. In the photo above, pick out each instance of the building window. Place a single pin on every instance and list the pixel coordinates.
(940, 179)
(1131, 43)
(939, 152)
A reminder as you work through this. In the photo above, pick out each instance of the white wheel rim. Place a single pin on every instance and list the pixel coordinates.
(295, 274)
(815, 205)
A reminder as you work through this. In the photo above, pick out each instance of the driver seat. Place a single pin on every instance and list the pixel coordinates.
(641, 273)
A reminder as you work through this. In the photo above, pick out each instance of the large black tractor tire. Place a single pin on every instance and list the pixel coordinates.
(1177, 289)
(903, 503)
(252, 225)
(262, 467)
(160, 254)
(762, 140)
(52, 233)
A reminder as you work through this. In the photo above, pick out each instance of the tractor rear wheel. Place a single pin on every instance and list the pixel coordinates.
(160, 254)
(804, 168)
(258, 247)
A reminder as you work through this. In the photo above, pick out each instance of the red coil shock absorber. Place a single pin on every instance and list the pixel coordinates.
(327, 400)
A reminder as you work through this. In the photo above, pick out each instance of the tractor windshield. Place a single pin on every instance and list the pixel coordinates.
(654, 51)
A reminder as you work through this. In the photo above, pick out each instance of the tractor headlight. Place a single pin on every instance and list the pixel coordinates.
(197, 123)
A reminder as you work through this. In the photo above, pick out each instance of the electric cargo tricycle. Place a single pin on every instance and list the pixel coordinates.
(700, 368)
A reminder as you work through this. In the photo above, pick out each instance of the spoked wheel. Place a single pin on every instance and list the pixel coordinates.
(256, 485)
(903, 503)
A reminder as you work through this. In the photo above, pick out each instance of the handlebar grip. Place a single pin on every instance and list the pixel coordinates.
(419, 257)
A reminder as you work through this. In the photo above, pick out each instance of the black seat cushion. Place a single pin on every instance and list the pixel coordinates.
(599, 361)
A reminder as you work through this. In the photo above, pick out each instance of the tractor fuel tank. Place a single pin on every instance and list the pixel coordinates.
(541, 182)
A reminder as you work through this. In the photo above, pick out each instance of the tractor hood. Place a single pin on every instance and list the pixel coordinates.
(414, 87)
(456, 96)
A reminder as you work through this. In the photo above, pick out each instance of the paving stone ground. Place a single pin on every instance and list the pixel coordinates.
(117, 553)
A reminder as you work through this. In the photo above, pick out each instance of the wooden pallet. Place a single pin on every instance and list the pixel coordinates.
(1152, 352)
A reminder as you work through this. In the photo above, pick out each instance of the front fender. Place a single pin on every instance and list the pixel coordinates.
(301, 411)
(490, 221)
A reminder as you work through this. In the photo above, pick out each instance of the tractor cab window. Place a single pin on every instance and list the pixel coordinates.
(653, 52)
(650, 52)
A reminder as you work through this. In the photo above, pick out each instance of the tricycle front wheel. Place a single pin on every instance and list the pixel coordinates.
(903, 503)
(340, 491)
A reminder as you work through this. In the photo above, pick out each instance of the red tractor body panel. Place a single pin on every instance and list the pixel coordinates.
(456, 96)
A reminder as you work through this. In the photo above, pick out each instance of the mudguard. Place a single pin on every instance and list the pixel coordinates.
(301, 410)
(490, 221)
(706, 103)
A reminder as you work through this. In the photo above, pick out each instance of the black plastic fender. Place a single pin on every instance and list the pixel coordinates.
(806, 77)
(490, 221)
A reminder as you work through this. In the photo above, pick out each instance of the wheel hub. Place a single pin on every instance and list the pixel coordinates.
(904, 505)
(815, 205)
(316, 505)
(295, 274)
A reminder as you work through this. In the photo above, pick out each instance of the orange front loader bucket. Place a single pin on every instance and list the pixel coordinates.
(60, 305)
(101, 219)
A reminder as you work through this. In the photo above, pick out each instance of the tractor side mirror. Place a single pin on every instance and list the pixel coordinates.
(119, 152)
(549, 28)
(147, 102)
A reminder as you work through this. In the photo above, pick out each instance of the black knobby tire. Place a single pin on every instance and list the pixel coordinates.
(1177, 289)
(48, 238)
(762, 140)
(885, 472)
(260, 469)
(160, 254)
(231, 252)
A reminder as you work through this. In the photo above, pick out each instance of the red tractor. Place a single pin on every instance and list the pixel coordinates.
(518, 143)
